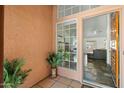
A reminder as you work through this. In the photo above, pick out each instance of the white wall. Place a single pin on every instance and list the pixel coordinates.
(95, 26)
(108, 39)
(99, 42)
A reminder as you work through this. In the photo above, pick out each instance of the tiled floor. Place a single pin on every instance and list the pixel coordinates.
(58, 82)
(98, 71)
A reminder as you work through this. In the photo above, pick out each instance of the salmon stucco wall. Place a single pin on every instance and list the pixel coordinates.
(1, 43)
(28, 35)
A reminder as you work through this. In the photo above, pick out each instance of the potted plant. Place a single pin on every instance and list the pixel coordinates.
(54, 59)
(13, 74)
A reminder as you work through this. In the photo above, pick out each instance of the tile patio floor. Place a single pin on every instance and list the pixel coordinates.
(58, 82)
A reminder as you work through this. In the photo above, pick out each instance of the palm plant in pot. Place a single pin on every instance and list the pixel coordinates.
(13, 74)
(54, 59)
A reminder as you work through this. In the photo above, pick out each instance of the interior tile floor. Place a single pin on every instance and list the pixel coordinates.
(58, 82)
(98, 71)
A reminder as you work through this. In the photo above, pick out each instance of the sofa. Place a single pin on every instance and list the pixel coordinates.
(99, 54)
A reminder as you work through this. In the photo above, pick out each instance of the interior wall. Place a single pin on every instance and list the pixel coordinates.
(108, 39)
(1, 44)
(100, 42)
(95, 26)
(28, 35)
(95, 29)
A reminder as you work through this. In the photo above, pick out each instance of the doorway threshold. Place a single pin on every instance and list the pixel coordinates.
(95, 85)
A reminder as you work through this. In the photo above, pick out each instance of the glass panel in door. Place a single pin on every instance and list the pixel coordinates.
(100, 66)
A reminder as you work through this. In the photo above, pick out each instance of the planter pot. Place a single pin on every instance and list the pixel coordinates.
(54, 72)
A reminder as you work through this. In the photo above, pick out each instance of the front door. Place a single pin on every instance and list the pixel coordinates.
(101, 35)
(115, 46)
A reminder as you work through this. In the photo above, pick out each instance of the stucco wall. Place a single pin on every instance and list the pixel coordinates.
(28, 34)
(1, 44)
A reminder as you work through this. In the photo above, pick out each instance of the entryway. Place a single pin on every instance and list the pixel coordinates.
(58, 82)
(101, 50)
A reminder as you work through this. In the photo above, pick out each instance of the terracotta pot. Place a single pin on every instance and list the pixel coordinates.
(54, 72)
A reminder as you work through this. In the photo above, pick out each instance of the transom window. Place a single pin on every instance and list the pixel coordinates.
(66, 10)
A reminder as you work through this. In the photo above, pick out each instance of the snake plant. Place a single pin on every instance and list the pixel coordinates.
(13, 74)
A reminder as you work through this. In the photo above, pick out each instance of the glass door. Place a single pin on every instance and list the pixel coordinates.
(101, 61)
